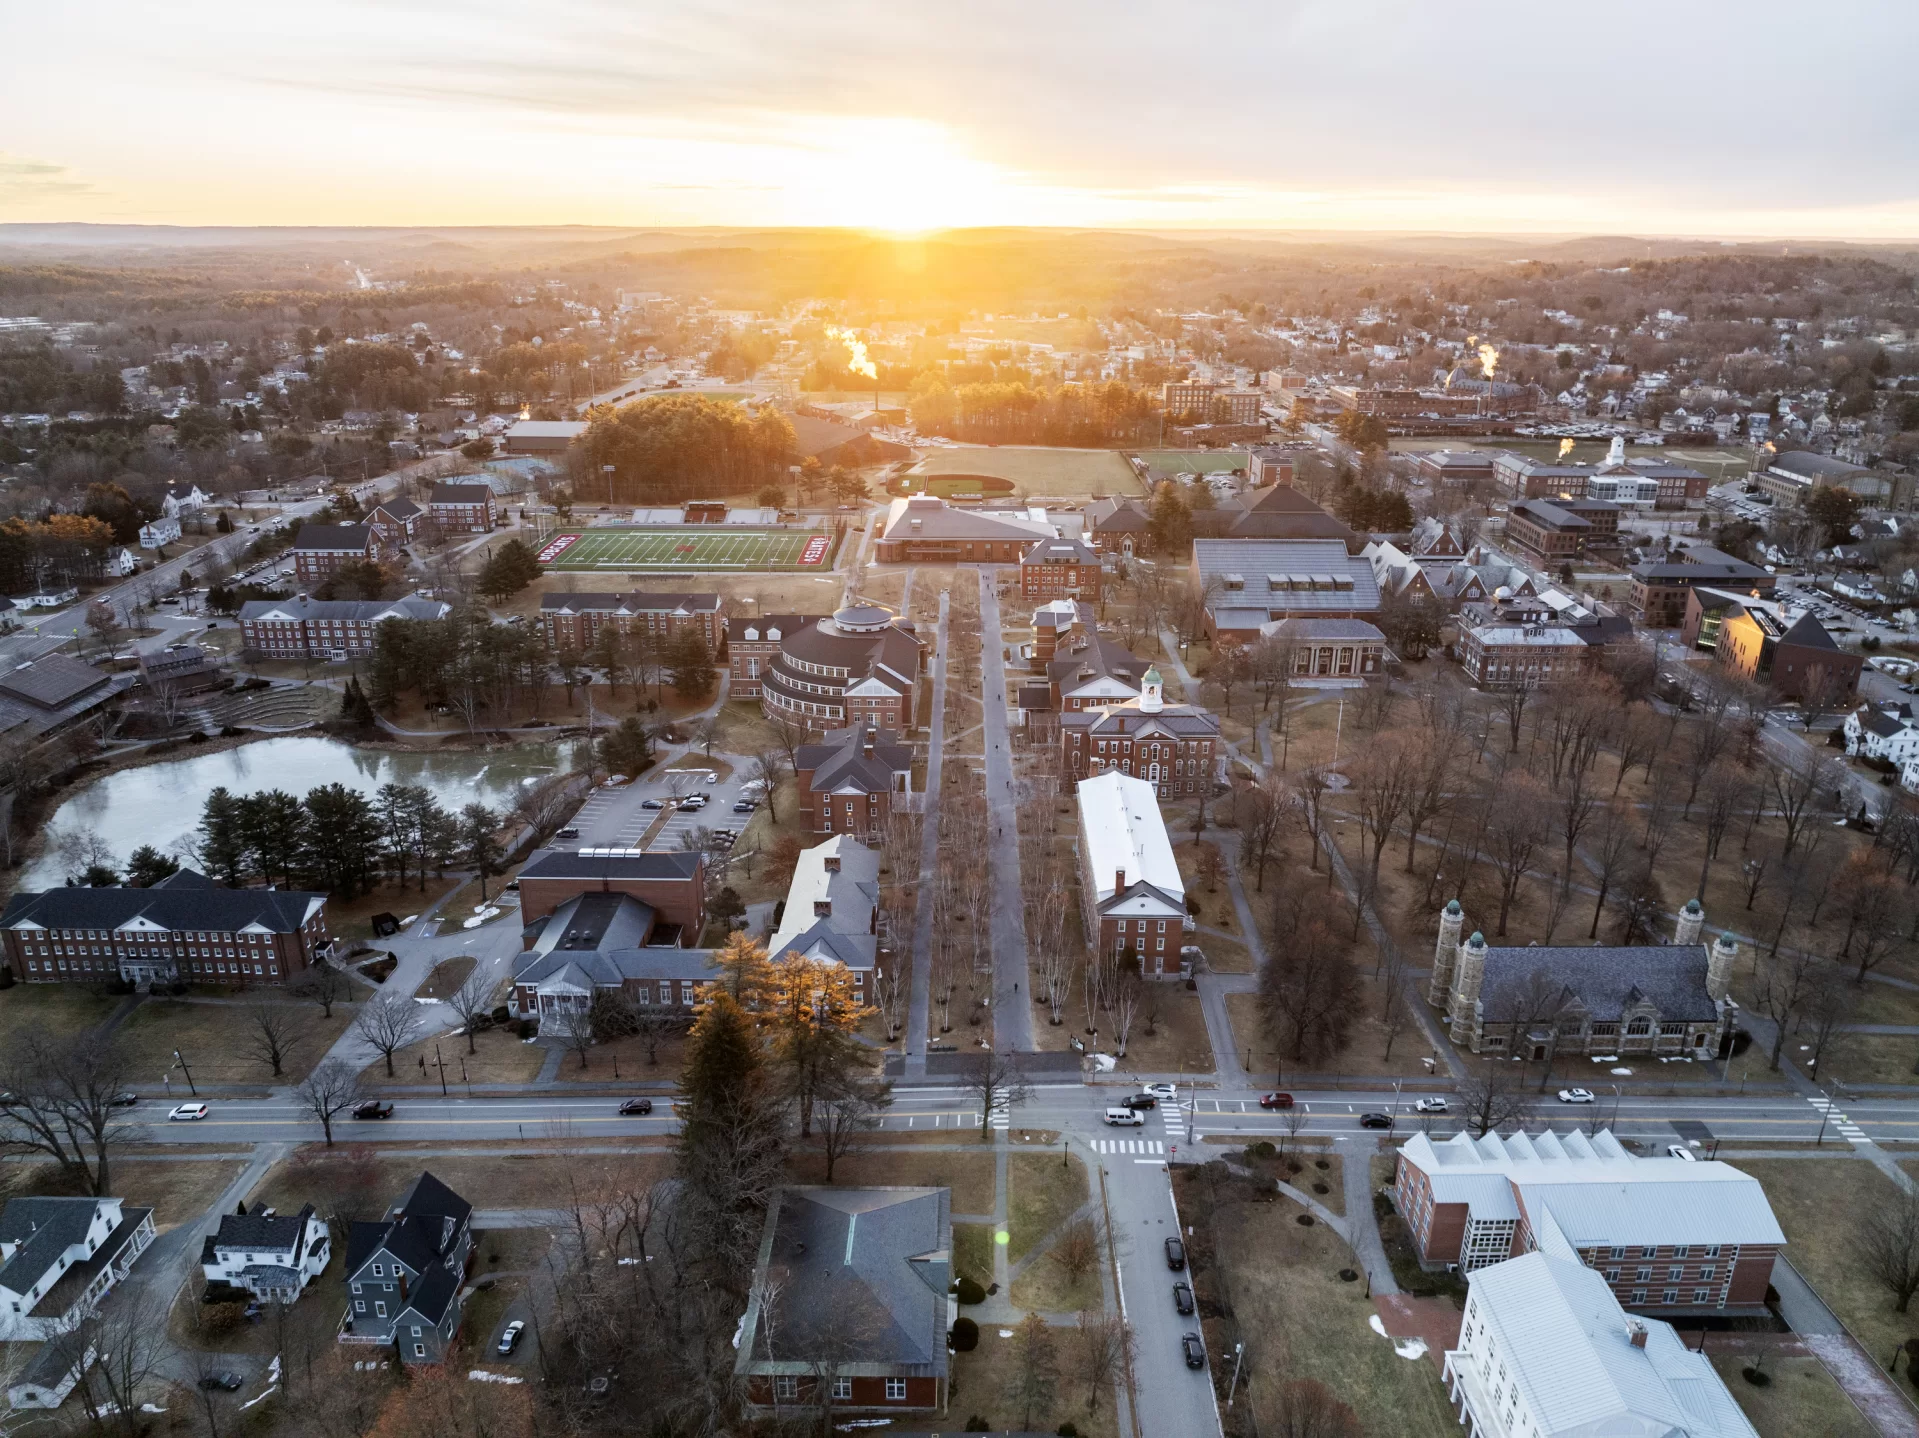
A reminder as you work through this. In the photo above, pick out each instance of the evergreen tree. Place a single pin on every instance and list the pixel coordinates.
(148, 866)
(627, 748)
(354, 706)
(731, 1143)
(482, 847)
(222, 843)
(341, 840)
(270, 826)
(690, 663)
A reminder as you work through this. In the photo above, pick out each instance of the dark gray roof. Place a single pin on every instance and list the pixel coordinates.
(763, 625)
(1550, 515)
(1103, 657)
(928, 517)
(45, 1228)
(332, 537)
(301, 609)
(430, 1296)
(1254, 560)
(632, 602)
(1809, 633)
(609, 968)
(1129, 719)
(1807, 465)
(445, 493)
(859, 1269)
(595, 920)
(418, 1230)
(1357, 630)
(278, 911)
(840, 760)
(1884, 725)
(1116, 516)
(51, 680)
(1607, 980)
(1282, 512)
(397, 508)
(1060, 551)
(569, 864)
(259, 1231)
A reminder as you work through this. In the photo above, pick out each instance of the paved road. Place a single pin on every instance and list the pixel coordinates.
(1012, 991)
(919, 1010)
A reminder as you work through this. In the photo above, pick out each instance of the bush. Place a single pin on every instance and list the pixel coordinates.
(1067, 1430)
(965, 1335)
(527, 1028)
(6, 976)
(1262, 1149)
(1758, 1377)
(977, 1424)
(969, 1291)
(502, 1014)
(219, 1318)
(176, 988)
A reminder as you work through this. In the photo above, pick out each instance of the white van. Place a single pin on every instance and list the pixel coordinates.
(1125, 1118)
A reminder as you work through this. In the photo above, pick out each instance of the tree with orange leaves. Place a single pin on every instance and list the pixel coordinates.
(814, 1012)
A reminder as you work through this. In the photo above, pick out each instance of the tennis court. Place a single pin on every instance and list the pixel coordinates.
(680, 548)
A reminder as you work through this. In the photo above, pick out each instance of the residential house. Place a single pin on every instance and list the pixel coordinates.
(832, 911)
(1883, 732)
(183, 501)
(334, 630)
(463, 507)
(54, 1370)
(1132, 896)
(1667, 1001)
(184, 928)
(1060, 568)
(1173, 747)
(159, 532)
(404, 1271)
(851, 1292)
(1546, 1351)
(851, 781)
(272, 1256)
(574, 620)
(1661, 1233)
(60, 1256)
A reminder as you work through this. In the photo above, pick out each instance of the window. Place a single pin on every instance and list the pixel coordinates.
(1680, 1250)
(1676, 1272)
(356, 1288)
(1649, 1253)
(378, 1271)
(379, 1309)
(786, 1386)
(1706, 1271)
(1644, 1275)
(419, 1350)
(1638, 1295)
(1671, 1296)
(842, 1388)
(895, 1390)
(416, 1330)
(1702, 1295)
(359, 1305)
(1712, 1250)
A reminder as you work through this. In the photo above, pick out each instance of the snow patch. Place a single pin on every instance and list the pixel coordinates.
(262, 1398)
(480, 1375)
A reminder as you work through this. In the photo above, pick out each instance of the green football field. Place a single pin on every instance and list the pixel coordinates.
(622, 549)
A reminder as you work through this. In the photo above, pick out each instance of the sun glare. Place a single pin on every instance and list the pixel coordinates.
(903, 177)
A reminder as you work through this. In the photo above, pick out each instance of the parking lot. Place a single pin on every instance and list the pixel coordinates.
(617, 817)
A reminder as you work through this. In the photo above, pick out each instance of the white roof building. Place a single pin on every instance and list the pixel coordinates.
(832, 907)
(1545, 1351)
(1128, 875)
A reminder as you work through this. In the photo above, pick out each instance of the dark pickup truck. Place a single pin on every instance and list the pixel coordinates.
(374, 1108)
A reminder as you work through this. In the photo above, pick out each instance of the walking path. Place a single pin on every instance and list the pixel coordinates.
(920, 1007)
(1012, 993)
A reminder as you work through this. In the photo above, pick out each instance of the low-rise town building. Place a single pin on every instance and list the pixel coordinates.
(60, 1256)
(832, 911)
(925, 529)
(861, 665)
(852, 781)
(273, 1257)
(333, 630)
(1761, 641)
(1246, 584)
(404, 1274)
(1060, 569)
(668, 884)
(573, 620)
(1132, 895)
(1659, 588)
(320, 549)
(463, 507)
(1173, 747)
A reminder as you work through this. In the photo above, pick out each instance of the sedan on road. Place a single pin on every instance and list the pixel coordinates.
(637, 1106)
(1375, 1120)
(1163, 1091)
(1175, 1254)
(1182, 1298)
(510, 1338)
(373, 1108)
(187, 1112)
(1141, 1100)
(1429, 1105)
(126, 1098)
(1275, 1100)
(1194, 1350)
(1575, 1095)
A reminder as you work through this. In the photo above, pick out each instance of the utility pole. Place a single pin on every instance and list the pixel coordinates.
(189, 1073)
(442, 1067)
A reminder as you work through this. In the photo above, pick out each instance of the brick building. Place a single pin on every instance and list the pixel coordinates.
(1249, 583)
(1758, 640)
(1328, 651)
(329, 629)
(319, 549)
(463, 508)
(185, 928)
(398, 521)
(1117, 526)
(1549, 534)
(859, 665)
(1057, 625)
(1659, 589)
(1211, 403)
(832, 912)
(1173, 747)
(574, 621)
(1060, 569)
(669, 883)
(1665, 1234)
(850, 781)
(850, 1289)
(924, 529)
(1132, 898)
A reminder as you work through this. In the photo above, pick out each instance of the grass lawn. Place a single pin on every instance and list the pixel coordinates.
(982, 1383)
(1820, 1205)
(371, 1180)
(501, 1058)
(625, 1059)
(1065, 473)
(352, 918)
(51, 1010)
(973, 1252)
(1041, 1193)
(608, 549)
(1802, 1397)
(178, 1191)
(969, 1175)
(1300, 1320)
(212, 1038)
(446, 978)
(1044, 1289)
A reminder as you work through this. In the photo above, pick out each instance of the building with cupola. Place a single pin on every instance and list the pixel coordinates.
(1173, 747)
(860, 665)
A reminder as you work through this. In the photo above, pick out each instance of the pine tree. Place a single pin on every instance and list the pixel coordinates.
(732, 1140)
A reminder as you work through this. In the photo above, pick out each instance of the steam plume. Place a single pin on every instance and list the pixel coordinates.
(857, 360)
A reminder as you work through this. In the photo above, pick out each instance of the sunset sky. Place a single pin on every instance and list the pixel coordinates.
(1751, 119)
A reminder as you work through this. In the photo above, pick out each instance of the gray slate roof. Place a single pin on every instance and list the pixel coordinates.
(1254, 559)
(632, 602)
(445, 493)
(169, 906)
(45, 1228)
(1606, 979)
(301, 609)
(333, 537)
(569, 864)
(51, 681)
(609, 968)
(840, 761)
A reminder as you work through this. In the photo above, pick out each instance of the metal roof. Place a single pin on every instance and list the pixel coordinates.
(1121, 828)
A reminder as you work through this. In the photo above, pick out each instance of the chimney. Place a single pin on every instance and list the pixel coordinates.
(1119, 880)
(866, 746)
(1636, 1333)
(822, 908)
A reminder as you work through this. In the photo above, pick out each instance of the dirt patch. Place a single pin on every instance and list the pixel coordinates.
(445, 980)
(969, 1175)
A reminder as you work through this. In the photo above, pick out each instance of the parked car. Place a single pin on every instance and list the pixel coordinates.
(1275, 1100)
(1141, 1100)
(1182, 1298)
(744, 806)
(694, 804)
(373, 1108)
(1194, 1350)
(1680, 1150)
(1434, 1104)
(510, 1337)
(1375, 1120)
(187, 1112)
(637, 1105)
(1175, 1254)
(569, 832)
(1575, 1095)
(225, 1381)
(1162, 1090)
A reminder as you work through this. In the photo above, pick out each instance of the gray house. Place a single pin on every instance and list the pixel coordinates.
(404, 1273)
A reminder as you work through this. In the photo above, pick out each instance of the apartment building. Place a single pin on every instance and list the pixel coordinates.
(461, 508)
(333, 630)
(1060, 569)
(574, 621)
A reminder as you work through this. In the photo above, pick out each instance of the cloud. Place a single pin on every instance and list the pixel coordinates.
(23, 180)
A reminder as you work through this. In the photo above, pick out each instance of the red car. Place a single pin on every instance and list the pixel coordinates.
(1275, 1100)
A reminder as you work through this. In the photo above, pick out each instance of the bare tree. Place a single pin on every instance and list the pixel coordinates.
(60, 1097)
(1126, 999)
(1265, 810)
(1493, 1098)
(892, 979)
(1307, 997)
(1886, 1246)
(472, 1001)
(789, 734)
(1309, 1409)
(1102, 1351)
(129, 1332)
(1611, 845)
(1517, 825)
(325, 986)
(1310, 793)
(1035, 1375)
(329, 1091)
(1796, 787)
(270, 1034)
(388, 1024)
(769, 770)
(1077, 1251)
(847, 1112)
(997, 1081)
(1383, 779)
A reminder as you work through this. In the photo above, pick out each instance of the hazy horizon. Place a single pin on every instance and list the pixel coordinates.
(1226, 117)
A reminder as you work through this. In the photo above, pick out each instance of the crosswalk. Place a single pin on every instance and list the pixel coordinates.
(999, 1114)
(1128, 1145)
(1847, 1129)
